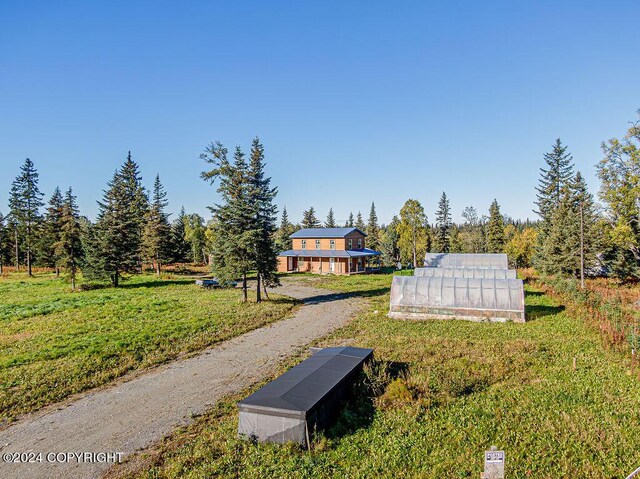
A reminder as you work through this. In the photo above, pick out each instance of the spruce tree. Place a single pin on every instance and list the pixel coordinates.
(234, 219)
(553, 179)
(51, 230)
(68, 247)
(119, 225)
(331, 220)
(285, 230)
(180, 248)
(442, 239)
(25, 202)
(309, 219)
(360, 222)
(261, 196)
(495, 229)
(350, 222)
(373, 230)
(156, 233)
(572, 236)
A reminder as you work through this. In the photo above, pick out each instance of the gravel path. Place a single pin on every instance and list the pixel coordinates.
(135, 414)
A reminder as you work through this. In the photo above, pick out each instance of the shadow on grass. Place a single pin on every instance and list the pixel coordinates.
(537, 311)
(157, 283)
(534, 293)
(359, 410)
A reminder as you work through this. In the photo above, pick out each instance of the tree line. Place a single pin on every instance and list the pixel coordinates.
(132, 229)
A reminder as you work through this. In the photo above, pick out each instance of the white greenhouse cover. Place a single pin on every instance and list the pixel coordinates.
(477, 299)
(448, 272)
(460, 260)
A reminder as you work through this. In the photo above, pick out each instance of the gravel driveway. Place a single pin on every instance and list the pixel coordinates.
(133, 415)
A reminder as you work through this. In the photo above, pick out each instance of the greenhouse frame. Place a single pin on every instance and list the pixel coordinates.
(475, 299)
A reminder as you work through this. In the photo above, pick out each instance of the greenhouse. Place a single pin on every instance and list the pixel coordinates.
(455, 260)
(475, 299)
(448, 272)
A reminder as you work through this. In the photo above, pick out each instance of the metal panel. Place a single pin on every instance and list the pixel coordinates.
(477, 299)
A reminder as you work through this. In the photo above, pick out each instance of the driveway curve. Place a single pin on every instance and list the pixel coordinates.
(134, 415)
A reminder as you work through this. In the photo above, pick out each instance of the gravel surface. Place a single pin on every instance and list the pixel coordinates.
(133, 415)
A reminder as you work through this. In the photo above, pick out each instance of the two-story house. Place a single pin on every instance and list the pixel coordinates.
(327, 250)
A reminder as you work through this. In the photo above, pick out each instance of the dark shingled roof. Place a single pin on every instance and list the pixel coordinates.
(324, 232)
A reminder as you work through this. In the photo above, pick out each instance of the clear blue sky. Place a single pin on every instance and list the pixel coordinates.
(354, 101)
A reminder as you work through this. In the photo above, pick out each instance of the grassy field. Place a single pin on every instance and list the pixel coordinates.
(439, 394)
(54, 343)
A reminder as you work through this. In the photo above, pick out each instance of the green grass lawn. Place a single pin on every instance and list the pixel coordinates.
(439, 394)
(54, 342)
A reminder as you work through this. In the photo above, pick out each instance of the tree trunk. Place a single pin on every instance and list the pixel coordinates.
(244, 287)
(115, 279)
(157, 266)
(57, 272)
(264, 287)
(258, 298)
(29, 260)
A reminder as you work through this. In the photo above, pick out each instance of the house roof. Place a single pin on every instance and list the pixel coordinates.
(325, 232)
(331, 253)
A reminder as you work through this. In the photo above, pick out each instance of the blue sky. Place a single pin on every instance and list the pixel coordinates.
(354, 101)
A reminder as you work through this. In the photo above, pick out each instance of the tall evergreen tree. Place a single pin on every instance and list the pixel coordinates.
(350, 222)
(68, 247)
(261, 196)
(51, 230)
(156, 233)
(373, 230)
(25, 202)
(360, 222)
(553, 179)
(309, 219)
(119, 225)
(331, 220)
(572, 236)
(495, 229)
(442, 237)
(285, 230)
(180, 247)
(233, 228)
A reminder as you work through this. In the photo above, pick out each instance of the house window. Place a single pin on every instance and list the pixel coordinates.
(332, 244)
(350, 244)
(359, 243)
(304, 244)
(317, 244)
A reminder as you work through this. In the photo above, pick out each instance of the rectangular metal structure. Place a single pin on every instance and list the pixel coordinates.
(304, 399)
(475, 299)
(448, 272)
(460, 260)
